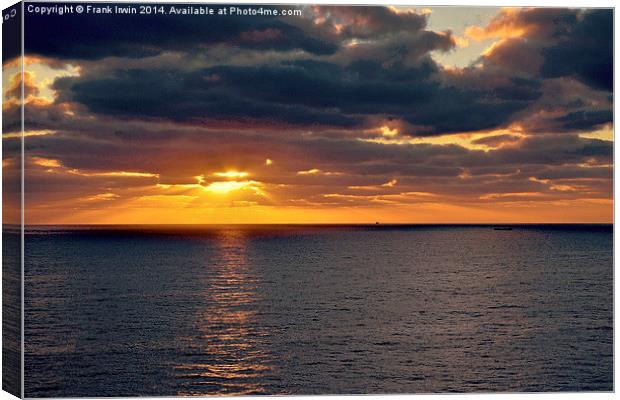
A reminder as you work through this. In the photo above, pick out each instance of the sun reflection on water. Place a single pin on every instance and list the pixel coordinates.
(231, 357)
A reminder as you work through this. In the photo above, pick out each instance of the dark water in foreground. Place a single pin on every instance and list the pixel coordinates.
(308, 310)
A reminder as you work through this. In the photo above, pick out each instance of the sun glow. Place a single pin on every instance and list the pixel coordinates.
(232, 174)
(230, 186)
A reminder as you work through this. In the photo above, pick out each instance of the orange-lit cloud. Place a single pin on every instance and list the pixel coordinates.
(509, 23)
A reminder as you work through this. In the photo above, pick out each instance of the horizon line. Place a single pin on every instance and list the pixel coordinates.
(323, 224)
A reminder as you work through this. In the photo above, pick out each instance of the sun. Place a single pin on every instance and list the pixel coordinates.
(232, 174)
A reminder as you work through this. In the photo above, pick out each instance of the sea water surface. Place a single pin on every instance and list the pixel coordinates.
(120, 311)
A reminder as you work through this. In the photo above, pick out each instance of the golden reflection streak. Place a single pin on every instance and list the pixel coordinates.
(234, 360)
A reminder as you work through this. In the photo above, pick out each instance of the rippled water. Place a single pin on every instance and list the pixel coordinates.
(308, 310)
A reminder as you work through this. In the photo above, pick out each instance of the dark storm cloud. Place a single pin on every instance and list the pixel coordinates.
(556, 43)
(455, 109)
(567, 106)
(302, 92)
(368, 21)
(569, 52)
(573, 172)
(553, 149)
(195, 96)
(347, 33)
(584, 120)
(387, 73)
(584, 50)
(95, 36)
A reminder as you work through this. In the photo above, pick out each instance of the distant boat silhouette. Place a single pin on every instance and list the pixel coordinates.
(502, 228)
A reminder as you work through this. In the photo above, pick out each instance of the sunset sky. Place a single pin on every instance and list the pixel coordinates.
(341, 115)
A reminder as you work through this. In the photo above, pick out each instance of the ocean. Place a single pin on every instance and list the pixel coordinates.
(161, 311)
